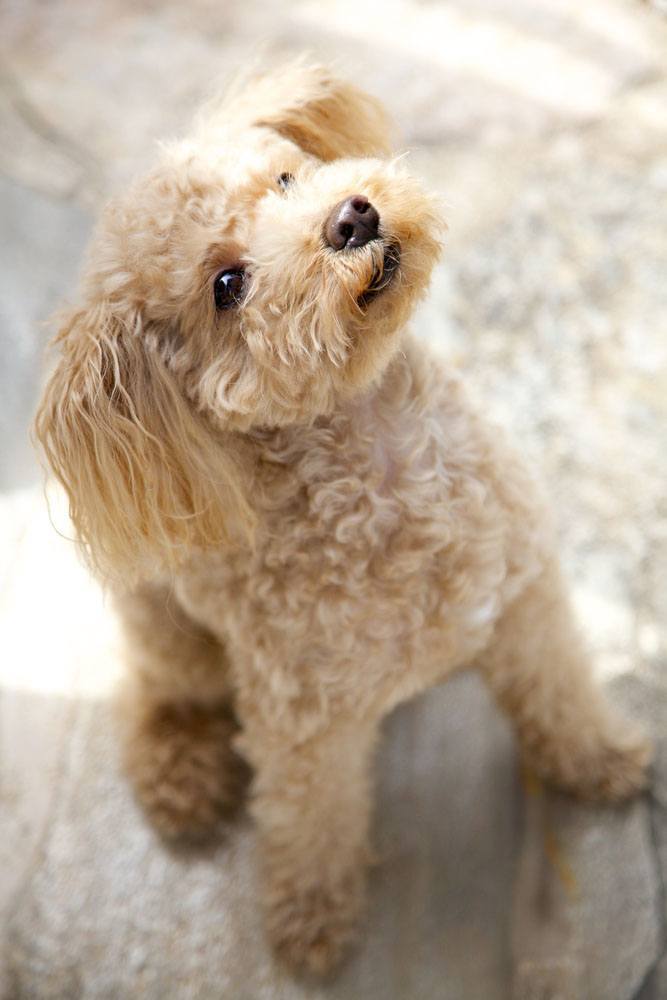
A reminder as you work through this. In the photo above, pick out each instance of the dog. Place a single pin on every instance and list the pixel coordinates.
(303, 519)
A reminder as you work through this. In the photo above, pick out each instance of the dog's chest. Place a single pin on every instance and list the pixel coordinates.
(366, 523)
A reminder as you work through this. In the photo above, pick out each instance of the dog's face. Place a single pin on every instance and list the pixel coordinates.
(273, 262)
(259, 275)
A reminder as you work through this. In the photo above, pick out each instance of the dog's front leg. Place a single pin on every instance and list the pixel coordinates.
(311, 803)
(179, 723)
(539, 669)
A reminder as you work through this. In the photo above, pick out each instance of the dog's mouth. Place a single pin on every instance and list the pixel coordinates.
(382, 276)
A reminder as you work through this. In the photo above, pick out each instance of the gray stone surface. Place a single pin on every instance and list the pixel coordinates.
(42, 240)
(588, 919)
(543, 124)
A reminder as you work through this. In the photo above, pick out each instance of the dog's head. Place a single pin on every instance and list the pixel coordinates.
(258, 276)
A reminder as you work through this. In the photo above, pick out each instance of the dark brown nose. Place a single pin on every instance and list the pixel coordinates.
(352, 223)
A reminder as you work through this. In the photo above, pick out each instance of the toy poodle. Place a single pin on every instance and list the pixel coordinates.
(302, 518)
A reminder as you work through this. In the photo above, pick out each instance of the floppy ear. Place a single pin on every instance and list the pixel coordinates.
(146, 478)
(324, 115)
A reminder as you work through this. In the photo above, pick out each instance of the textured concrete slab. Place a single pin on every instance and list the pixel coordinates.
(587, 911)
(485, 74)
(42, 242)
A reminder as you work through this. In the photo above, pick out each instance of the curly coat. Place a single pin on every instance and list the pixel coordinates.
(302, 517)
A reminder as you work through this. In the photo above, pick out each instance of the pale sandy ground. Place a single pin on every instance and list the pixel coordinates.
(543, 123)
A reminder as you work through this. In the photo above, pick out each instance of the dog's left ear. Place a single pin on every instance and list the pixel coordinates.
(323, 114)
(147, 479)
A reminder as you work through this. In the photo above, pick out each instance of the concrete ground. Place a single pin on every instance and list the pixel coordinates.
(543, 123)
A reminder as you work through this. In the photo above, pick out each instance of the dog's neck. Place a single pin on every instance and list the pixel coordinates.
(365, 436)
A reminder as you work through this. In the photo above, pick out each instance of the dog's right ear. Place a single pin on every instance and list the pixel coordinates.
(146, 478)
(308, 104)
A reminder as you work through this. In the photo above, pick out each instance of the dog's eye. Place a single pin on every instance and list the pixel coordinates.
(228, 288)
(285, 180)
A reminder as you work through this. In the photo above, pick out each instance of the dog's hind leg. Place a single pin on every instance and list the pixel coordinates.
(179, 717)
(538, 668)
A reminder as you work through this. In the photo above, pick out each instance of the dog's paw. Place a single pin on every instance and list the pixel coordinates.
(616, 773)
(310, 928)
(611, 771)
(185, 773)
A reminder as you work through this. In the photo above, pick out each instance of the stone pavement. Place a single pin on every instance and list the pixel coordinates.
(544, 125)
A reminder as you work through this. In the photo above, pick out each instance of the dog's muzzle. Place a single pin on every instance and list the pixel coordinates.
(352, 223)
(382, 276)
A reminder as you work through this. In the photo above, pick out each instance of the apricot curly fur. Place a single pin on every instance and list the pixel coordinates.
(302, 517)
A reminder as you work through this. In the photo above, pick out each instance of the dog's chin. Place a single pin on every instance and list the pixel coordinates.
(383, 275)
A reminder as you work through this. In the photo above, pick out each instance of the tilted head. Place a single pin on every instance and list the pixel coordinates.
(259, 275)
